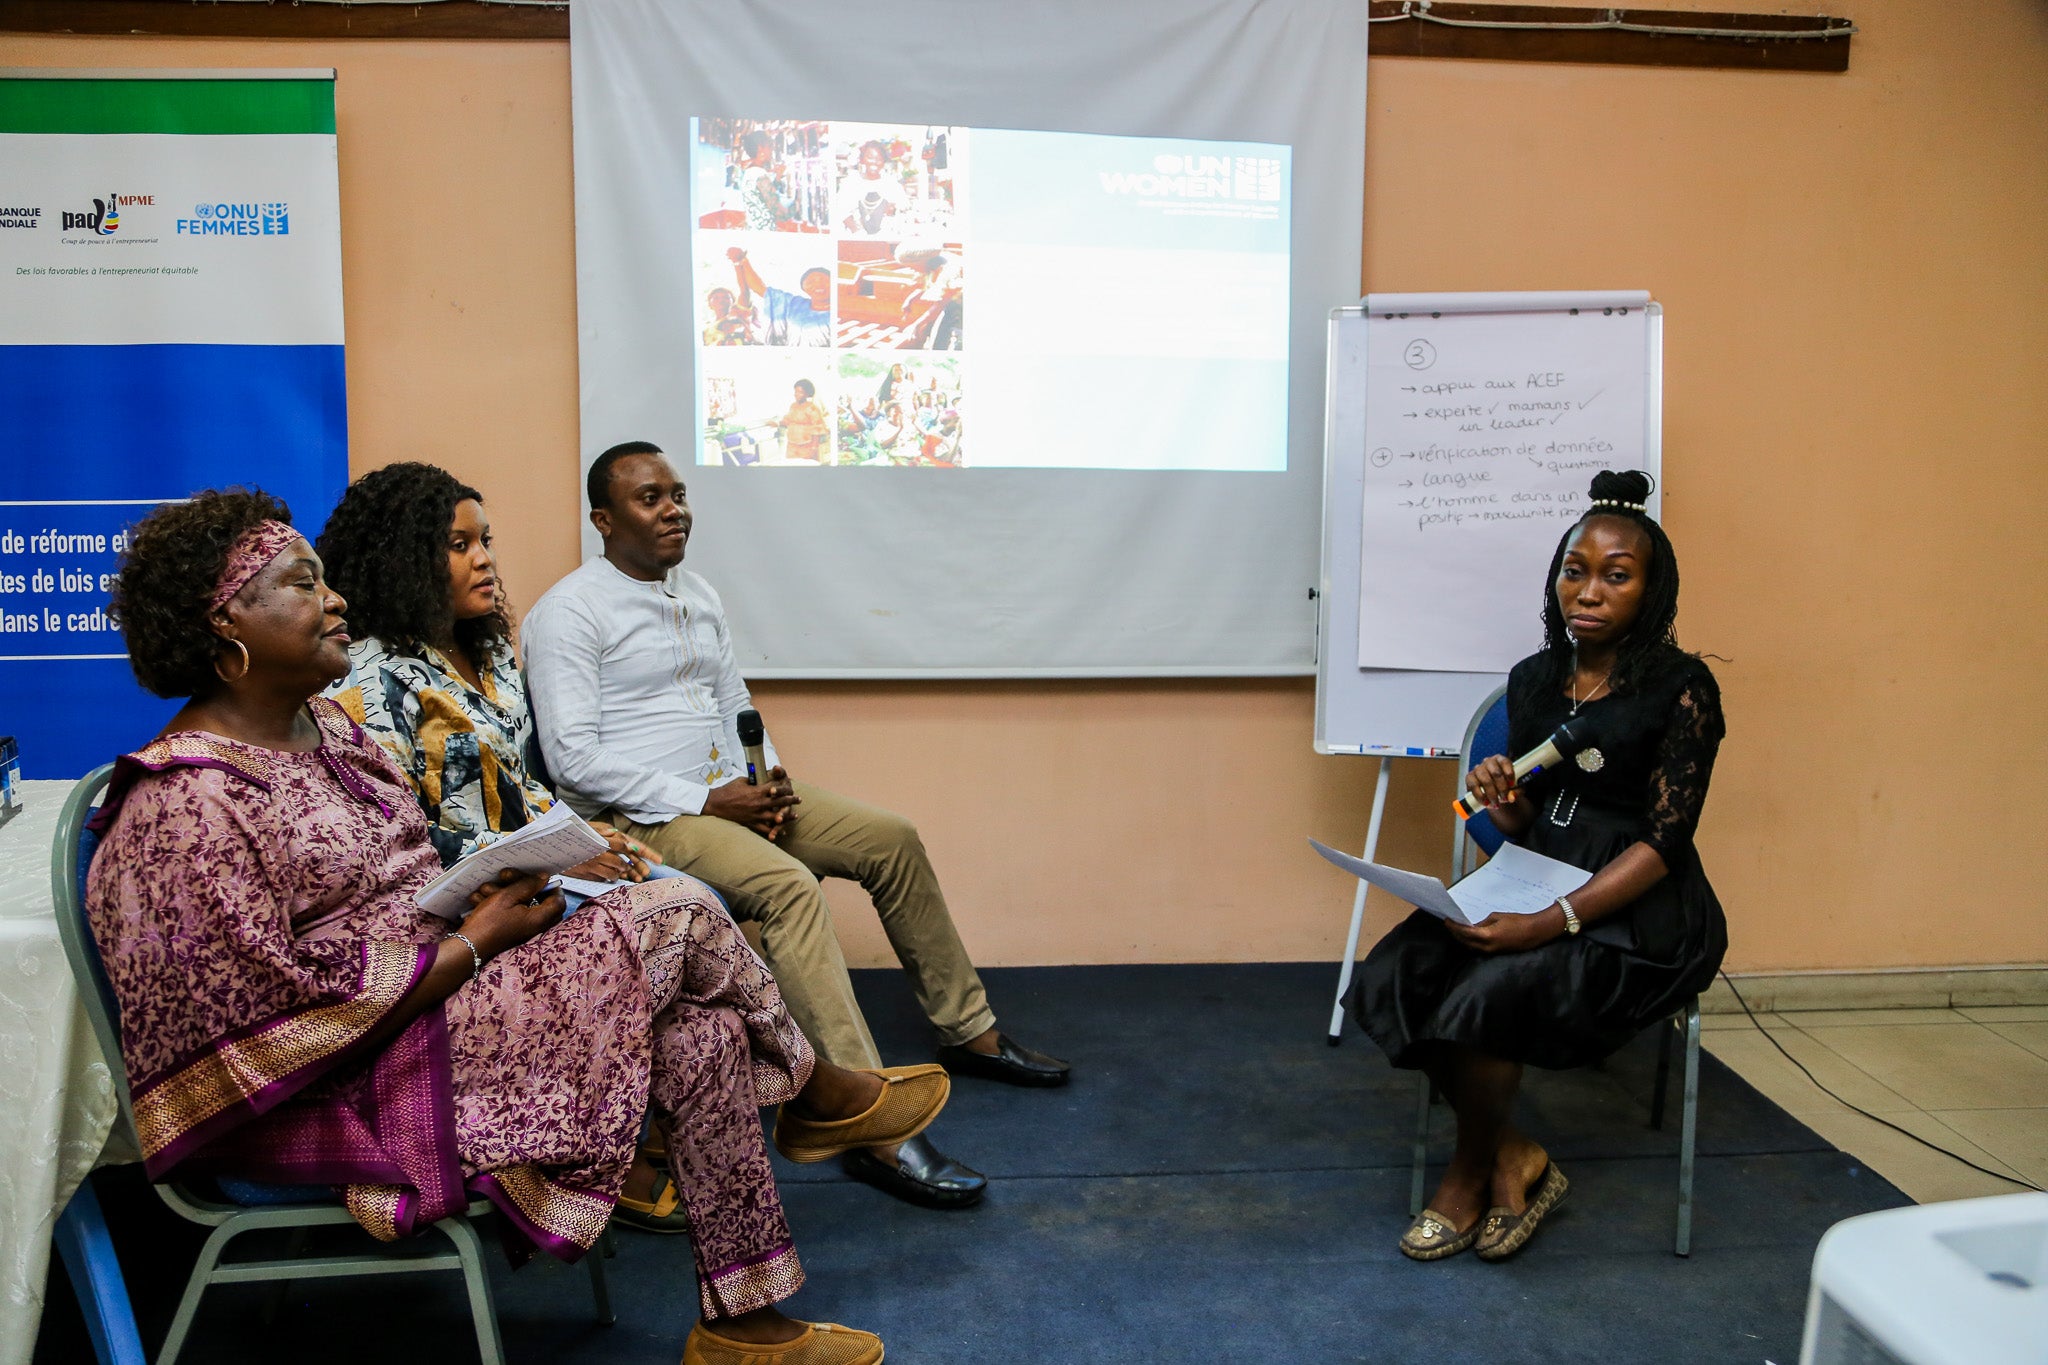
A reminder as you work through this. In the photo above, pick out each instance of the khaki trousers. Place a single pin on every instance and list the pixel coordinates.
(776, 886)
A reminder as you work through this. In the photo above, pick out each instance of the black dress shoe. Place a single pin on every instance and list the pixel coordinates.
(921, 1174)
(1012, 1062)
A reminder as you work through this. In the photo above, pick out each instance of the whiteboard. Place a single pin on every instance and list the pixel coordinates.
(1455, 563)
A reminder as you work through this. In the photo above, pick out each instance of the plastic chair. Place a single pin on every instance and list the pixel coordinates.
(83, 1241)
(1485, 736)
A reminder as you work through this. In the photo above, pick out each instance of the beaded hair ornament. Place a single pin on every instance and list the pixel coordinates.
(1617, 502)
(256, 547)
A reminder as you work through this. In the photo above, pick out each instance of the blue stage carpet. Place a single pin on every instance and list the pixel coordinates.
(1216, 1185)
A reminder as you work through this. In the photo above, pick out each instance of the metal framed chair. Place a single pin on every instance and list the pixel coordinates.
(1485, 736)
(248, 1206)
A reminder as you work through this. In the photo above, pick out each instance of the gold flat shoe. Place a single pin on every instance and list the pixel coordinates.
(1502, 1234)
(822, 1343)
(1431, 1237)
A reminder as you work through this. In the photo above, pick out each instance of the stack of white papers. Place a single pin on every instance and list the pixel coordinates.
(550, 842)
(1513, 882)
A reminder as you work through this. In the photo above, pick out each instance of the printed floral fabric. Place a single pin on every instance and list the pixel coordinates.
(463, 750)
(254, 910)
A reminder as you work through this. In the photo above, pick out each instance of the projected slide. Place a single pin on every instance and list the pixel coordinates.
(923, 295)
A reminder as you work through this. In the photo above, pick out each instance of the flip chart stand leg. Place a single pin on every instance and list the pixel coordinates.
(1372, 844)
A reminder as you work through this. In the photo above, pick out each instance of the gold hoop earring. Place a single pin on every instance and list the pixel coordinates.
(245, 664)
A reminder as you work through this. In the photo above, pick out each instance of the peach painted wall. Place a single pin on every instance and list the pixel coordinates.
(1855, 269)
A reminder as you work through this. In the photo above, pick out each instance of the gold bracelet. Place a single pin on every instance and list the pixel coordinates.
(1571, 916)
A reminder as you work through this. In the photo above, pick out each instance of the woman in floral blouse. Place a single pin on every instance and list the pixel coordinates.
(434, 680)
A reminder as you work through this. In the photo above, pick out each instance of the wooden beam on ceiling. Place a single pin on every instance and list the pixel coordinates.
(1564, 33)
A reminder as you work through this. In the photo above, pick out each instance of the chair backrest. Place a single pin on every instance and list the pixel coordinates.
(1485, 736)
(71, 853)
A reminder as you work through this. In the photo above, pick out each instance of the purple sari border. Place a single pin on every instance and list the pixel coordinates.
(749, 1262)
(140, 1090)
(561, 1248)
(187, 1143)
(408, 1209)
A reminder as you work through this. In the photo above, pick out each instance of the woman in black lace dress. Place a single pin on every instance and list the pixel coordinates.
(1471, 1005)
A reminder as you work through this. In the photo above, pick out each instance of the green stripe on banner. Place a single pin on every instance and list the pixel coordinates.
(142, 105)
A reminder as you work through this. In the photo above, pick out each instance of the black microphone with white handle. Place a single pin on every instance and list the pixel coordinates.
(752, 737)
(1568, 740)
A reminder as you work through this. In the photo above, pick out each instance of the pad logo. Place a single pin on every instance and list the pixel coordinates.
(105, 218)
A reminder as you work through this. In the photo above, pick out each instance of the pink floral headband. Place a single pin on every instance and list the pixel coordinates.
(258, 545)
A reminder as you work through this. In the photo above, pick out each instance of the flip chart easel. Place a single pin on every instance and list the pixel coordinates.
(1452, 414)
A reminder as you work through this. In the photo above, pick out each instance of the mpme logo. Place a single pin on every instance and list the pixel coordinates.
(1177, 176)
(237, 220)
(105, 218)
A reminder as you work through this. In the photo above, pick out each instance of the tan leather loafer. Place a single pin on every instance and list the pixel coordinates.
(823, 1343)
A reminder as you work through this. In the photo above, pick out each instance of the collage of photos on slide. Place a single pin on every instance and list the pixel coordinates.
(829, 284)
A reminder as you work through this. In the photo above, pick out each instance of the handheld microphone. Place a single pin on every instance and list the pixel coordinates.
(1566, 741)
(752, 736)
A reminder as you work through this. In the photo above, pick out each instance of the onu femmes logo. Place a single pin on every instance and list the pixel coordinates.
(1176, 175)
(237, 220)
(105, 218)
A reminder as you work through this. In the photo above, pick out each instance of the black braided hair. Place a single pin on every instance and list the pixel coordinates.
(1652, 641)
(162, 595)
(386, 550)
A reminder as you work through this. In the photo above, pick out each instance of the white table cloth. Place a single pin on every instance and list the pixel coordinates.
(56, 1097)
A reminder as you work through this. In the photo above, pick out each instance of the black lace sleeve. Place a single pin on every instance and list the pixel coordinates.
(1685, 764)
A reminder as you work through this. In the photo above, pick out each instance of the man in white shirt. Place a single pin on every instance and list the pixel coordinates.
(635, 691)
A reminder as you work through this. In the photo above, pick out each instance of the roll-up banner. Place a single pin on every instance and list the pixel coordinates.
(170, 320)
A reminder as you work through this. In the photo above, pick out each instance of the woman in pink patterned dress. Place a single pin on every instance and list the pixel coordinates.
(288, 1013)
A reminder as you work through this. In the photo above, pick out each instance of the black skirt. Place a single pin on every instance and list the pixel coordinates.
(1579, 997)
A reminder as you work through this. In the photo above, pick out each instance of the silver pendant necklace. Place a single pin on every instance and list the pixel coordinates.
(1576, 703)
(1589, 759)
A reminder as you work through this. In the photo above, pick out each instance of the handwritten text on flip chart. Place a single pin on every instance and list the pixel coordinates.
(1482, 433)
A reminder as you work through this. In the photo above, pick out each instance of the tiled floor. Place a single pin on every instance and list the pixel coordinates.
(1972, 1080)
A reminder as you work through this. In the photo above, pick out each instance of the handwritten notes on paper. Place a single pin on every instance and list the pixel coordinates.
(1482, 432)
(550, 842)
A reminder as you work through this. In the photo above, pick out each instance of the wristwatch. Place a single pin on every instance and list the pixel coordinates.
(1571, 916)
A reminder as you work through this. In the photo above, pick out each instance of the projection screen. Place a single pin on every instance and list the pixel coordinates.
(988, 336)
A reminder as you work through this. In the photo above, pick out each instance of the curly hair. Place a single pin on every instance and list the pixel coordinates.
(1652, 642)
(162, 594)
(386, 551)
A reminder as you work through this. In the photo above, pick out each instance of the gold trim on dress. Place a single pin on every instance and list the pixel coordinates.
(742, 1289)
(194, 746)
(375, 1207)
(236, 1072)
(572, 1215)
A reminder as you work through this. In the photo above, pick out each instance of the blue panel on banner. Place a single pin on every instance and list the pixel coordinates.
(94, 435)
(164, 421)
(73, 716)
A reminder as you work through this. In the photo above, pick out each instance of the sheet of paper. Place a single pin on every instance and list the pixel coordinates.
(589, 888)
(1516, 882)
(553, 841)
(1513, 882)
(1424, 893)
